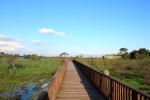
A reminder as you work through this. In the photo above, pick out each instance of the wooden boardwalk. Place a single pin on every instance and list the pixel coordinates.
(69, 83)
(75, 86)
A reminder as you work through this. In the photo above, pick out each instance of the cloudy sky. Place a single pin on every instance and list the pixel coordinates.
(91, 27)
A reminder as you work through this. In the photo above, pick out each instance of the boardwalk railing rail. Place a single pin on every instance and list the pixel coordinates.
(111, 88)
(56, 82)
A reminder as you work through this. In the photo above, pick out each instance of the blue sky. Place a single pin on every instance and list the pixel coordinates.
(89, 27)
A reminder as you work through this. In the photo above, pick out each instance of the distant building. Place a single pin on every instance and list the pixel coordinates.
(112, 57)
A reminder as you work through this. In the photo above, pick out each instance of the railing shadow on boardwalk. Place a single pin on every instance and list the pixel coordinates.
(111, 88)
(93, 93)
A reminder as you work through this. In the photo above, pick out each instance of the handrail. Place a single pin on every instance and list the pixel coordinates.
(55, 83)
(111, 88)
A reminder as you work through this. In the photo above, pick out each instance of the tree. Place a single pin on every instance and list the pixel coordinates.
(16, 55)
(27, 56)
(2, 54)
(34, 57)
(141, 53)
(64, 54)
(133, 54)
(124, 53)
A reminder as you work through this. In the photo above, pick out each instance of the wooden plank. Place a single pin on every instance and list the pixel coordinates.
(75, 86)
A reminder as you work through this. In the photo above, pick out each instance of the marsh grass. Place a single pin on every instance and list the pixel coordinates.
(134, 73)
(27, 72)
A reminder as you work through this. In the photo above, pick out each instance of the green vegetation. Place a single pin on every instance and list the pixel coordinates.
(132, 68)
(20, 73)
(140, 54)
(133, 72)
(135, 54)
(124, 53)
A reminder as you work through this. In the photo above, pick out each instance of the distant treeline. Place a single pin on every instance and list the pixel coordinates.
(135, 54)
(26, 56)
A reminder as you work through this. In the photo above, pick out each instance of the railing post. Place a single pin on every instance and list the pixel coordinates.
(111, 90)
(100, 83)
(134, 95)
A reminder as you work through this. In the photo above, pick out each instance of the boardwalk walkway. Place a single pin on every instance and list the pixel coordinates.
(76, 87)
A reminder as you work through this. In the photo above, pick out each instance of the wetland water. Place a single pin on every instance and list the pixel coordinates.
(28, 93)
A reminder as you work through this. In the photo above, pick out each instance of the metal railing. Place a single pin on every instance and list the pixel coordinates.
(111, 88)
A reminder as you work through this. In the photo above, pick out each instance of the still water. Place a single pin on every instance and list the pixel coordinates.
(31, 92)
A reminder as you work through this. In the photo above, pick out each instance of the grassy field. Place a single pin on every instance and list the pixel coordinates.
(131, 72)
(27, 72)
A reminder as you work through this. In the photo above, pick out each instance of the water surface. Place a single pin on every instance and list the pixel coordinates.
(29, 93)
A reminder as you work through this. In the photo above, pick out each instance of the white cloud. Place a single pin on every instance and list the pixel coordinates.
(36, 42)
(50, 31)
(8, 44)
